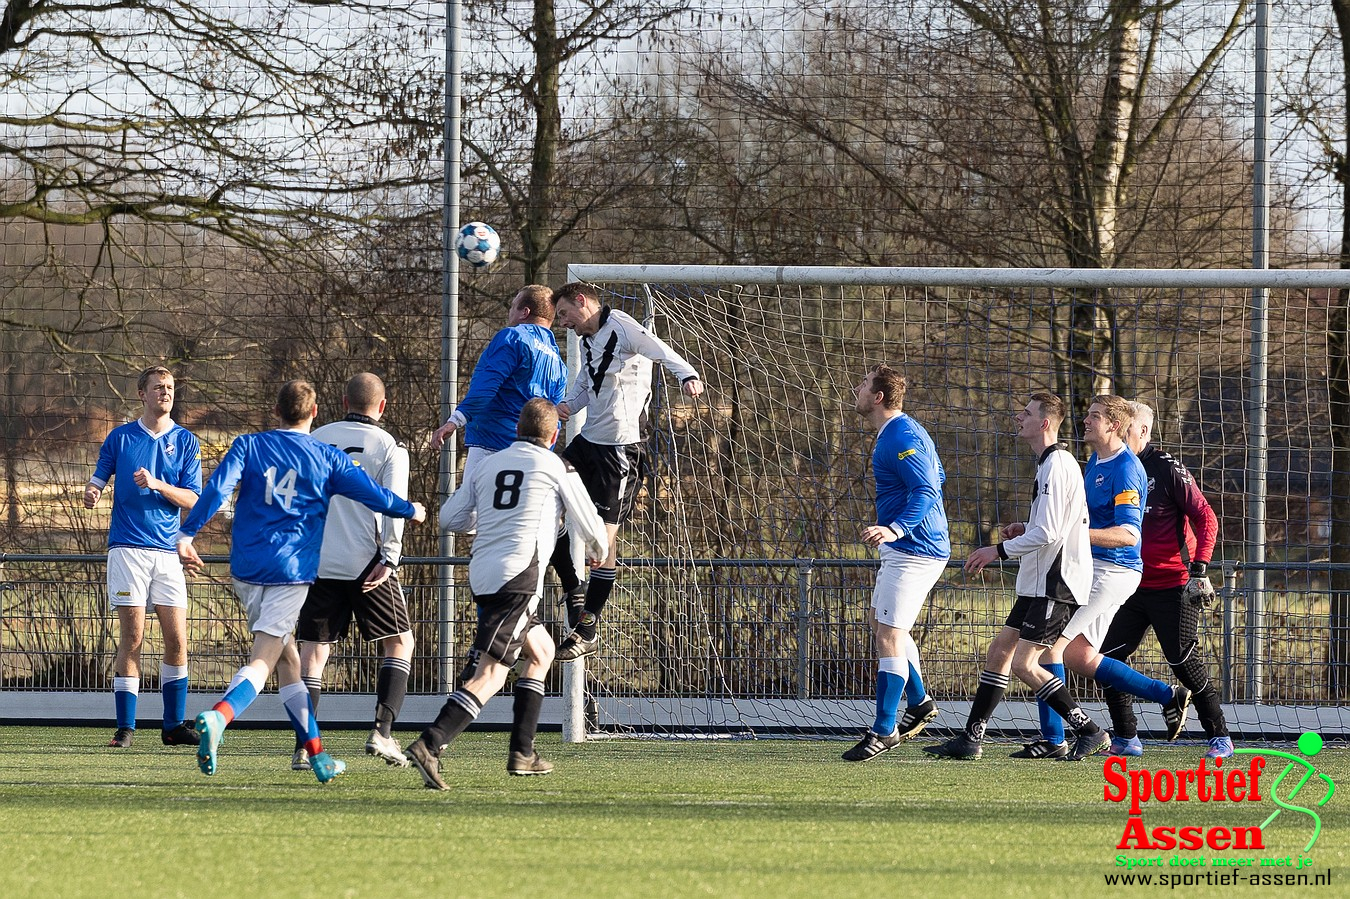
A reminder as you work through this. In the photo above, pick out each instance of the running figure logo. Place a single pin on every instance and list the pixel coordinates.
(1310, 744)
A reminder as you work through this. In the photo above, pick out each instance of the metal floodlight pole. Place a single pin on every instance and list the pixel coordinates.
(445, 642)
(1257, 436)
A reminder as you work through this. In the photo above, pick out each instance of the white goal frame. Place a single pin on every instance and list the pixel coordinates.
(1280, 721)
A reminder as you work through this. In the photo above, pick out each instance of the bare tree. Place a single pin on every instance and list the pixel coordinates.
(517, 133)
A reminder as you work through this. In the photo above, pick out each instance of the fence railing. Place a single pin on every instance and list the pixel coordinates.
(795, 629)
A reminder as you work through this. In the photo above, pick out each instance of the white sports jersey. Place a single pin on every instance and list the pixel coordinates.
(615, 381)
(1055, 554)
(514, 500)
(354, 534)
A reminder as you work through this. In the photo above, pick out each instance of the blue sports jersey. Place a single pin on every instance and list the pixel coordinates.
(142, 518)
(909, 479)
(285, 479)
(522, 362)
(1117, 490)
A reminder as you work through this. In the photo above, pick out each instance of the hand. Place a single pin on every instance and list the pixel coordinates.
(594, 563)
(1009, 531)
(985, 555)
(378, 575)
(1199, 590)
(419, 513)
(442, 434)
(692, 388)
(564, 412)
(91, 495)
(143, 478)
(874, 535)
(187, 554)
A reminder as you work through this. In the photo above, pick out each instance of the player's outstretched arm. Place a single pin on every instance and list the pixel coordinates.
(459, 513)
(351, 481)
(221, 486)
(443, 433)
(645, 343)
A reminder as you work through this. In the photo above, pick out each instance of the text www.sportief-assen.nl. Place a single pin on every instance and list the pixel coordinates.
(1221, 878)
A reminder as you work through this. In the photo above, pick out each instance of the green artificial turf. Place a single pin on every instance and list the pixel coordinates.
(617, 818)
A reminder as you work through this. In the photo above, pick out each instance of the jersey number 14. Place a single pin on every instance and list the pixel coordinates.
(284, 490)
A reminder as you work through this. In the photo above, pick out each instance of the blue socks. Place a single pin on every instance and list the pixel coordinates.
(890, 689)
(125, 692)
(1052, 726)
(1111, 673)
(915, 691)
(240, 695)
(173, 684)
(295, 697)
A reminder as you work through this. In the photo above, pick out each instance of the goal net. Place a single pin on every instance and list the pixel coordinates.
(743, 594)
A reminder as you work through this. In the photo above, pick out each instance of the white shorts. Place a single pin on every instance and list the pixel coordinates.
(1111, 586)
(472, 459)
(145, 578)
(272, 609)
(903, 583)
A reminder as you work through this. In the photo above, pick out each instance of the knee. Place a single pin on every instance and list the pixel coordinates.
(1028, 669)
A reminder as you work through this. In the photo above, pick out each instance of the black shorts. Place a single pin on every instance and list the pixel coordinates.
(612, 475)
(331, 604)
(504, 618)
(1040, 620)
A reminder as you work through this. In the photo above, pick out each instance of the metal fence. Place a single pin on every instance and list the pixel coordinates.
(784, 636)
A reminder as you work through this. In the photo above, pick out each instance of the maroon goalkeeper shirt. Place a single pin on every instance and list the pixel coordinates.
(1179, 525)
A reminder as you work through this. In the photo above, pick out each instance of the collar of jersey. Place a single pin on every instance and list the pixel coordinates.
(172, 424)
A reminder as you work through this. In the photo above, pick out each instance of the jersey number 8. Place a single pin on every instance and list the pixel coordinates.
(507, 495)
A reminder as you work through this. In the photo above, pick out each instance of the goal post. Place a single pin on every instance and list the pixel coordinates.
(743, 592)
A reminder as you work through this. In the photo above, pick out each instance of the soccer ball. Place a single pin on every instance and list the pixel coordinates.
(478, 244)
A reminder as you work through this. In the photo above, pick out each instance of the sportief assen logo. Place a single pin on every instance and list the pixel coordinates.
(1246, 781)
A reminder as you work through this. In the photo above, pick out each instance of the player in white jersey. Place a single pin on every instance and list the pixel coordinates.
(286, 480)
(614, 387)
(513, 502)
(1053, 580)
(156, 466)
(358, 571)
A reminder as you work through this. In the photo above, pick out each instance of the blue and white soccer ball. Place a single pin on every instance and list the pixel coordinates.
(478, 244)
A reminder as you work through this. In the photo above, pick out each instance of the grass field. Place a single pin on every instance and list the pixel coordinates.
(620, 818)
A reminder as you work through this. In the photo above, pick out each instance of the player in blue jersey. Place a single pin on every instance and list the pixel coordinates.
(521, 362)
(1117, 492)
(156, 469)
(285, 479)
(911, 533)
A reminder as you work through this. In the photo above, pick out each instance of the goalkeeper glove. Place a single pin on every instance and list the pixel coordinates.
(1198, 589)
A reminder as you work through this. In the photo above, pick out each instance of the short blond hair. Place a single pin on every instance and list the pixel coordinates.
(1117, 410)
